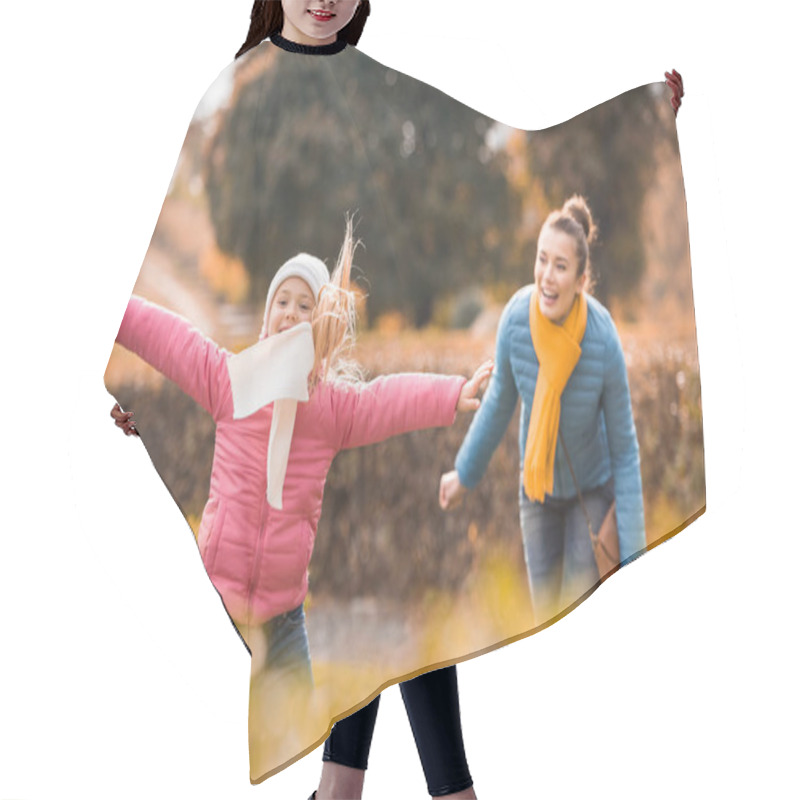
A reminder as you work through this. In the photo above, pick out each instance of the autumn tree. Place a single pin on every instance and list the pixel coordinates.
(301, 146)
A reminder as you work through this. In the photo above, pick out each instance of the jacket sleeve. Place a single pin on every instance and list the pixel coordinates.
(624, 450)
(494, 415)
(394, 404)
(174, 347)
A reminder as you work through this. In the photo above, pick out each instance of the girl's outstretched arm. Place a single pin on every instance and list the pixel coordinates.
(394, 404)
(174, 347)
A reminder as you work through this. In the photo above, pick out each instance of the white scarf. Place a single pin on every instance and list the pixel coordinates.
(274, 370)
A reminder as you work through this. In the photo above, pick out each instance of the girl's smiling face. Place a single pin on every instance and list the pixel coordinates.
(293, 303)
(556, 274)
(315, 22)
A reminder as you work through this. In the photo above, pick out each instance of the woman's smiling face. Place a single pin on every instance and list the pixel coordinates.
(293, 303)
(316, 22)
(556, 274)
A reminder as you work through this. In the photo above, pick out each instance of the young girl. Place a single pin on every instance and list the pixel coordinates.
(558, 350)
(256, 537)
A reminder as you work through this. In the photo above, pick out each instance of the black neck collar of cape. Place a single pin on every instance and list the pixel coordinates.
(308, 49)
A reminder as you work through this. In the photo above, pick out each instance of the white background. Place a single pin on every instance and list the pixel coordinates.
(119, 674)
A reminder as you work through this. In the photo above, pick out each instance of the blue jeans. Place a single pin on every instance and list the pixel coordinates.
(287, 646)
(279, 649)
(558, 548)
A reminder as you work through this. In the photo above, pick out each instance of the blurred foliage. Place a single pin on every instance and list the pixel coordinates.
(665, 390)
(225, 275)
(381, 532)
(443, 195)
(301, 146)
(610, 155)
(461, 309)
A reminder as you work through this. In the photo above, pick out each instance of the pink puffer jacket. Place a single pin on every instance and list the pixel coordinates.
(257, 556)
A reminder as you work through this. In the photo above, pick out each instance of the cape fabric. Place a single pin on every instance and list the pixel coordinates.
(447, 204)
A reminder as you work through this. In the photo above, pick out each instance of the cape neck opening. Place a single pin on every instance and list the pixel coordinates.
(308, 49)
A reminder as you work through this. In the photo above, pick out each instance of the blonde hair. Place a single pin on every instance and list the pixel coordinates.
(333, 321)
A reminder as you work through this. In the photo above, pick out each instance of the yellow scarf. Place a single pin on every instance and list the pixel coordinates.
(558, 348)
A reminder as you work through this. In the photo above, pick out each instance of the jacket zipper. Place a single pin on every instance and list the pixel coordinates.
(257, 558)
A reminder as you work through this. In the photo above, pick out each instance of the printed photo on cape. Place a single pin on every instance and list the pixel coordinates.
(447, 205)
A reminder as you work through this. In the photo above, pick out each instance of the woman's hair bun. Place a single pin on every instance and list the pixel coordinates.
(577, 208)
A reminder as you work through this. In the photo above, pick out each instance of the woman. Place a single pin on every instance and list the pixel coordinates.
(558, 350)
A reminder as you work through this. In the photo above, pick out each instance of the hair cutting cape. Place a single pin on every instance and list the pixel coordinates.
(448, 205)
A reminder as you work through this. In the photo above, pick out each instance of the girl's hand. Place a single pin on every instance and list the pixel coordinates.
(675, 82)
(468, 399)
(451, 490)
(124, 420)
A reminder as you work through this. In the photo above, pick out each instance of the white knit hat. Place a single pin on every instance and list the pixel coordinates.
(307, 267)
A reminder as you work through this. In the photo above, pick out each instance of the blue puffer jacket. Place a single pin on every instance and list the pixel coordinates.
(596, 416)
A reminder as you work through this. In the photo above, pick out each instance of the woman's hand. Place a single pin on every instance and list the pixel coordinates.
(468, 400)
(451, 490)
(124, 420)
(675, 82)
